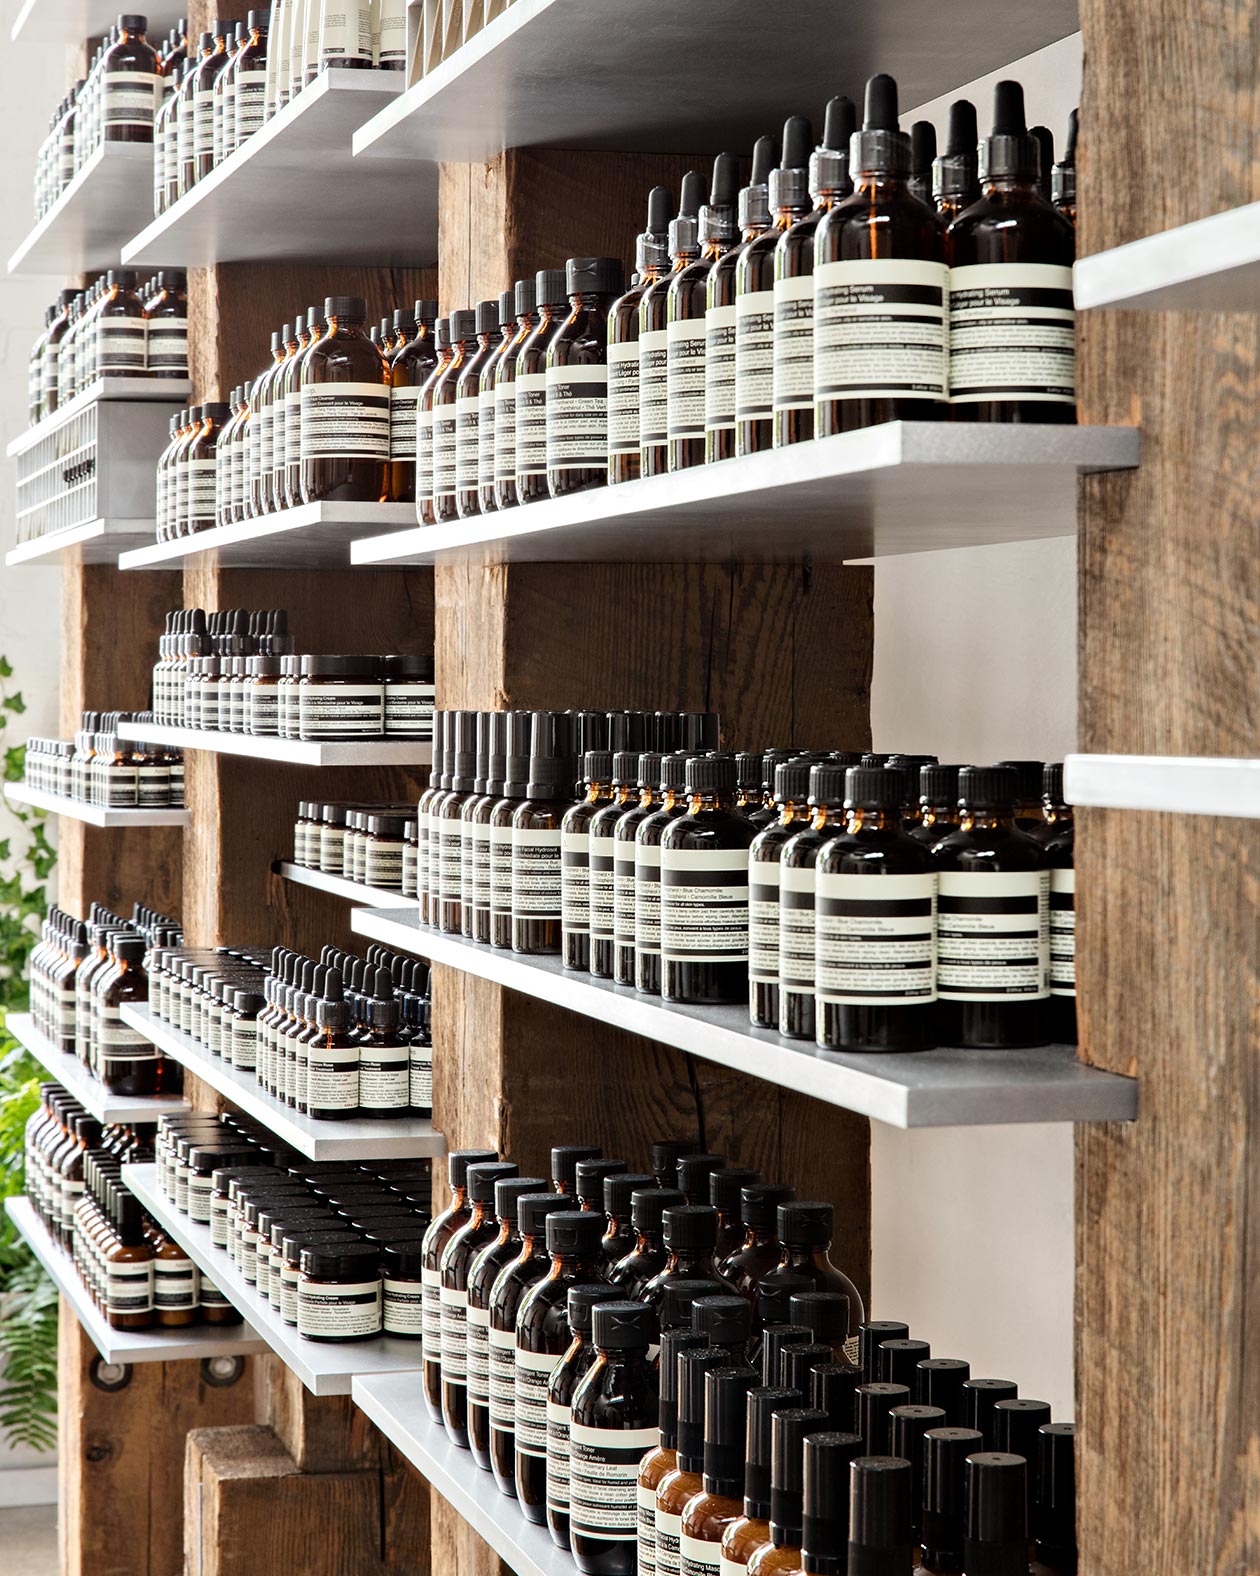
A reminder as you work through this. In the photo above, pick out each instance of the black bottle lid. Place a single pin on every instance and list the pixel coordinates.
(652, 245)
(987, 787)
(674, 772)
(922, 150)
(788, 1430)
(402, 1258)
(710, 774)
(426, 311)
(625, 769)
(564, 1157)
(129, 949)
(459, 1160)
(508, 1192)
(623, 1326)
(679, 1298)
(132, 22)
(944, 1487)
(829, 163)
(873, 788)
(648, 1205)
(463, 324)
(588, 1179)
(874, 1403)
(663, 1157)
(879, 1516)
(805, 1223)
(723, 1320)
(523, 297)
(833, 1389)
(909, 1426)
(1009, 151)
(774, 1339)
(789, 182)
(1028, 777)
(496, 753)
(442, 333)
(693, 1363)
(681, 1339)
(694, 1171)
(619, 1190)
(1054, 1507)
(532, 1210)
(754, 199)
(407, 666)
(726, 1187)
(759, 1204)
(1044, 138)
(342, 1262)
(997, 1512)
(717, 216)
(1052, 782)
(955, 172)
(726, 1428)
(939, 1382)
(826, 1466)
(881, 147)
(486, 317)
(939, 784)
(483, 1176)
(797, 1363)
(690, 1226)
(597, 767)
(351, 309)
(552, 765)
(581, 1304)
(520, 726)
(825, 1313)
(980, 1397)
(598, 275)
(573, 1233)
(1018, 1423)
(550, 288)
(684, 227)
(748, 771)
(899, 1361)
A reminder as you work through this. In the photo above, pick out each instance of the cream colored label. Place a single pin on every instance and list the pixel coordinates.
(880, 330)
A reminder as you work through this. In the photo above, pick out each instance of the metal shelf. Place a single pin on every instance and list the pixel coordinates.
(338, 886)
(946, 1087)
(91, 814)
(312, 536)
(89, 1091)
(291, 192)
(87, 225)
(1210, 265)
(126, 1346)
(324, 1368)
(293, 752)
(1185, 785)
(362, 1139)
(903, 487)
(395, 1403)
(96, 542)
(174, 392)
(658, 77)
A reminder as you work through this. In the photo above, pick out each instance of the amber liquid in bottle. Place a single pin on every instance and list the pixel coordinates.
(345, 355)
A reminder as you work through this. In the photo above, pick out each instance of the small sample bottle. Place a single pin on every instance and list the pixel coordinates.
(1063, 176)
(442, 1230)
(409, 370)
(789, 1429)
(577, 378)
(129, 1276)
(719, 317)
(993, 921)
(651, 256)
(805, 1230)
(877, 250)
(536, 855)
(463, 331)
(1012, 323)
(478, 1231)
(798, 865)
(996, 1539)
(468, 408)
(551, 309)
(686, 326)
(879, 1517)
(684, 248)
(939, 1382)
(504, 458)
(922, 157)
(424, 422)
(565, 1377)
(344, 411)
(575, 869)
(720, 1503)
(1054, 1504)
(647, 872)
(956, 172)
(944, 1514)
(130, 83)
(121, 328)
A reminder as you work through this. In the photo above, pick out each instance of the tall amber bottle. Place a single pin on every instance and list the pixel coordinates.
(129, 1063)
(409, 371)
(551, 307)
(781, 1552)
(577, 378)
(575, 854)
(651, 255)
(536, 856)
(424, 422)
(720, 1501)
(505, 496)
(489, 410)
(798, 877)
(955, 173)
(468, 410)
(880, 282)
(943, 1517)
(684, 248)
(561, 1388)
(445, 415)
(478, 1231)
(345, 411)
(805, 1230)
(131, 84)
(441, 1230)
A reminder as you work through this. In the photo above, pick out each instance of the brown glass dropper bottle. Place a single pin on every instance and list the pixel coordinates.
(577, 378)
(561, 1386)
(424, 421)
(551, 307)
(1063, 176)
(955, 173)
(651, 254)
(504, 463)
(487, 423)
(536, 879)
(686, 323)
(463, 325)
(345, 389)
(468, 411)
(684, 247)
(575, 859)
(409, 371)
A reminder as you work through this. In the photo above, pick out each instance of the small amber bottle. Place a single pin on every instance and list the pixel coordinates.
(478, 1231)
(1054, 1503)
(943, 1517)
(755, 292)
(880, 1539)
(720, 1502)
(128, 1062)
(719, 317)
(550, 310)
(500, 348)
(577, 378)
(463, 329)
(128, 1268)
(640, 806)
(575, 848)
(791, 791)
(424, 421)
(880, 287)
(798, 866)
(749, 1531)
(409, 371)
(1063, 176)
(789, 1429)
(468, 410)
(504, 459)
(549, 793)
(561, 1387)
(345, 411)
(651, 256)
(956, 172)
(677, 1487)
(131, 84)
(441, 1230)
(684, 248)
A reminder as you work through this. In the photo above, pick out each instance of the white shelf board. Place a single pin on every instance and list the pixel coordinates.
(293, 752)
(1185, 785)
(395, 1403)
(291, 193)
(96, 542)
(361, 1139)
(946, 1087)
(90, 1092)
(902, 487)
(91, 814)
(87, 225)
(312, 536)
(659, 76)
(174, 392)
(338, 886)
(126, 1346)
(323, 1367)
(1210, 265)
(71, 21)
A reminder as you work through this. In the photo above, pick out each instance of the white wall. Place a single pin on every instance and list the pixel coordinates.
(975, 660)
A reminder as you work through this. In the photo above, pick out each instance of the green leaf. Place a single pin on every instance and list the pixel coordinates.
(14, 702)
(6, 671)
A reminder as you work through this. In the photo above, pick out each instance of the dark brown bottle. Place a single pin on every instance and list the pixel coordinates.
(686, 326)
(955, 173)
(551, 309)
(620, 1236)
(441, 1230)
(789, 1428)
(577, 378)
(880, 285)
(505, 496)
(651, 257)
(944, 1513)
(468, 410)
(501, 347)
(128, 1062)
(561, 1388)
(1060, 847)
(760, 1251)
(689, 1232)
(131, 85)
(128, 1268)
(463, 330)
(477, 828)
(536, 880)
(993, 921)
(409, 370)
(1012, 324)
(575, 854)
(647, 872)
(345, 411)
(203, 99)
(1054, 1502)
(602, 852)
(515, 782)
(199, 467)
(755, 292)
(478, 1231)
(798, 867)
(286, 411)
(720, 1501)
(424, 421)
(121, 328)
(1063, 176)
(791, 792)
(446, 823)
(649, 1255)
(938, 804)
(805, 1230)
(625, 888)
(684, 248)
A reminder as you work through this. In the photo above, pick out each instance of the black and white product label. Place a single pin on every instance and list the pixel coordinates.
(174, 1283)
(420, 1077)
(332, 1078)
(401, 1308)
(343, 421)
(203, 122)
(559, 1419)
(1012, 333)
(129, 1287)
(623, 893)
(327, 1308)
(450, 860)
(454, 1315)
(265, 421)
(288, 1294)
(251, 102)
(502, 1353)
(653, 387)
(505, 427)
(880, 330)
(117, 1040)
(796, 927)
(477, 1354)
(876, 940)
(218, 1222)
(209, 1295)
(153, 786)
(645, 1501)
(601, 887)
(121, 787)
(577, 418)
(486, 437)
(623, 398)
(533, 1373)
(1063, 932)
(199, 1188)
(575, 881)
(763, 920)
(244, 1045)
(697, 1558)
(345, 34)
(444, 451)
(501, 870)
(424, 454)
(338, 710)
(603, 1470)
(536, 883)
(993, 936)
(668, 1544)
(754, 355)
(130, 98)
(384, 1078)
(384, 863)
(477, 843)
(201, 475)
(704, 904)
(291, 426)
(647, 899)
(431, 1322)
(685, 378)
(467, 441)
(120, 345)
(391, 36)
(794, 343)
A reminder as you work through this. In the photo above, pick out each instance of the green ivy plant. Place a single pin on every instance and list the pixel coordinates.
(28, 1299)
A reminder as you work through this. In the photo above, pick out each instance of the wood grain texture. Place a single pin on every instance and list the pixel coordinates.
(323, 1433)
(1168, 1208)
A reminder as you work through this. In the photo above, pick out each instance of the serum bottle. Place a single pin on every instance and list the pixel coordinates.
(651, 255)
(684, 248)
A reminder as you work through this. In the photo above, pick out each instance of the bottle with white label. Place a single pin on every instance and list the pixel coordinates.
(502, 349)
(639, 806)
(875, 922)
(791, 789)
(1060, 856)
(565, 1377)
(536, 835)
(212, 62)
(575, 874)
(828, 183)
(442, 1230)
(345, 34)
(286, 411)
(515, 780)
(1063, 176)
(653, 336)
(993, 921)
(671, 805)
(576, 378)
(258, 448)
(1012, 323)
(602, 851)
(424, 424)
(551, 309)
(468, 410)
(880, 288)
(463, 332)
(446, 824)
(131, 84)
(651, 255)
(409, 369)
(955, 172)
(128, 1268)
(200, 468)
(345, 411)
(503, 461)
(476, 829)
(121, 328)
(788, 200)
(128, 1062)
(720, 1502)
(249, 102)
(225, 95)
(676, 1487)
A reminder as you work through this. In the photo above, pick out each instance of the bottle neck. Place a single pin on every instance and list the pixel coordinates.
(724, 800)
(868, 820)
(987, 818)
(823, 815)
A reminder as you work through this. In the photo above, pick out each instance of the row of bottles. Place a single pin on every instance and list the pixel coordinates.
(99, 768)
(82, 973)
(374, 845)
(117, 327)
(336, 1039)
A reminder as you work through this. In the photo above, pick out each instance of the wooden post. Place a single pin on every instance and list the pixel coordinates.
(1168, 1209)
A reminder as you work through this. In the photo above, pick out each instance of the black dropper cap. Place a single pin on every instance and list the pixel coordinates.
(1009, 151)
(1054, 1508)
(788, 1430)
(828, 1458)
(829, 163)
(874, 1403)
(899, 1361)
(726, 1428)
(996, 1540)
(955, 173)
(520, 726)
(944, 1493)
(552, 767)
(717, 216)
(564, 1157)
(1018, 1423)
(663, 1158)
(684, 228)
(693, 1365)
(939, 1382)
(922, 153)
(881, 147)
(774, 1338)
(1063, 176)
(880, 1539)
(652, 246)
(833, 1389)
(871, 1336)
(1044, 139)
(723, 1320)
(789, 183)
(754, 199)
(981, 1397)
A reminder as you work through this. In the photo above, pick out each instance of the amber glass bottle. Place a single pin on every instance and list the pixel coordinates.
(676, 1487)
(805, 1230)
(345, 411)
(442, 1228)
(478, 1231)
(647, 872)
(602, 855)
(684, 248)
(789, 1429)
(760, 1251)
(577, 378)
(620, 1236)
(286, 413)
(1063, 176)
(1060, 844)
(880, 284)
(128, 1268)
(651, 255)
(663, 1457)
(463, 329)
(797, 898)
(468, 411)
(640, 807)
(575, 849)
(955, 173)
(551, 310)
(649, 1255)
(505, 496)
(409, 371)
(568, 1373)
(128, 1062)
(424, 421)
(501, 349)
(536, 880)
(791, 792)
(131, 84)
(938, 804)
(689, 1232)
(1012, 324)
(515, 781)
